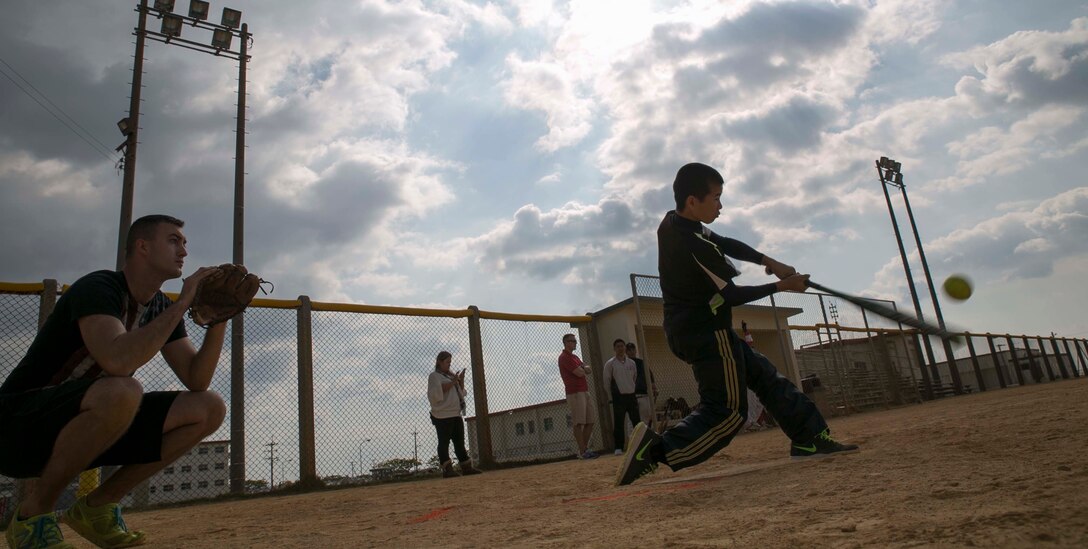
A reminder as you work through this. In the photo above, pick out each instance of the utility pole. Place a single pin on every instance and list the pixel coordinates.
(271, 463)
(130, 127)
(415, 446)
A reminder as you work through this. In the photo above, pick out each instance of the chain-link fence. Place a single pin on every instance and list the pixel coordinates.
(850, 360)
(335, 394)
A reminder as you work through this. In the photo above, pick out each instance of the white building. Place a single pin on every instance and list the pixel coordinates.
(204, 472)
(539, 431)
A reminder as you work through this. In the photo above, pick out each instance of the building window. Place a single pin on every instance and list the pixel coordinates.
(220, 449)
(519, 428)
(202, 467)
(202, 450)
(186, 485)
(186, 468)
(220, 482)
(532, 427)
(167, 487)
(219, 466)
(548, 424)
(168, 470)
(202, 484)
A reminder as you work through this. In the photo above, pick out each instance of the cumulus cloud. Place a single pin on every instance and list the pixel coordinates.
(1019, 244)
(1027, 69)
(545, 87)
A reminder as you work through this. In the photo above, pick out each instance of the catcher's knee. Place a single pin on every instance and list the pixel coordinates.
(213, 407)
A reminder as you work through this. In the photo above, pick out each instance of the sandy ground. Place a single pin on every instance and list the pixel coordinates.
(1003, 468)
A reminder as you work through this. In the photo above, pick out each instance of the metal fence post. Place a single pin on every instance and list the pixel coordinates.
(1015, 361)
(998, 366)
(974, 362)
(592, 353)
(1078, 344)
(1072, 361)
(640, 334)
(1046, 359)
(47, 301)
(307, 447)
(1058, 357)
(1036, 371)
(479, 389)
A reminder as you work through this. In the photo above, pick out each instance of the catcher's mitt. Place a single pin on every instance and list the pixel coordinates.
(223, 295)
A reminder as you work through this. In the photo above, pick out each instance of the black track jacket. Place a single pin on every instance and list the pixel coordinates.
(697, 276)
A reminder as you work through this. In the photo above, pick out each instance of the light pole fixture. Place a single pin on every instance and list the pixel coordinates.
(171, 25)
(231, 18)
(125, 127)
(219, 46)
(198, 9)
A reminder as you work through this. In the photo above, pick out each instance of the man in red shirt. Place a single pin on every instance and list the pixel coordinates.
(574, 375)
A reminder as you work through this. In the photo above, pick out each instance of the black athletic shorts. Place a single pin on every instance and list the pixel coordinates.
(31, 421)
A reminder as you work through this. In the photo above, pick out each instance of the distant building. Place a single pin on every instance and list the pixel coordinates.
(538, 431)
(204, 472)
(543, 430)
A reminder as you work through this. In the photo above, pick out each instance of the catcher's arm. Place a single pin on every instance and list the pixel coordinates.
(119, 352)
(196, 367)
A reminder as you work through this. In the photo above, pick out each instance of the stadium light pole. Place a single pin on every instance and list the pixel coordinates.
(130, 127)
(888, 172)
(953, 369)
(222, 36)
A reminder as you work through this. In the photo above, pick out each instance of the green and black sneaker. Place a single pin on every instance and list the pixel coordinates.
(638, 460)
(821, 446)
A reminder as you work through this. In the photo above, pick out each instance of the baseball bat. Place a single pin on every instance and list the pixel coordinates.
(891, 314)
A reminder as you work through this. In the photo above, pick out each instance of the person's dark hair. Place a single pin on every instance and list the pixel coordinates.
(144, 229)
(618, 340)
(565, 336)
(694, 180)
(630, 344)
(441, 356)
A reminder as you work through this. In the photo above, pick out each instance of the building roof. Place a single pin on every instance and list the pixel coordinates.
(790, 311)
(521, 409)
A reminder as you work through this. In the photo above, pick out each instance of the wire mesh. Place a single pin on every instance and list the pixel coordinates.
(372, 416)
(528, 412)
(203, 472)
(18, 325)
(370, 370)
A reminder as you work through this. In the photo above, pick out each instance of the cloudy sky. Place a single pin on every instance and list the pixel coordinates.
(517, 155)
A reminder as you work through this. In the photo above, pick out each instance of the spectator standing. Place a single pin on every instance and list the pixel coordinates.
(619, 377)
(575, 375)
(446, 393)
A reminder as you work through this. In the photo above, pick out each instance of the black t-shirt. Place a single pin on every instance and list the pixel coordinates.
(697, 276)
(58, 353)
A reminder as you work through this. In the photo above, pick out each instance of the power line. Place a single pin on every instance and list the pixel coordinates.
(100, 148)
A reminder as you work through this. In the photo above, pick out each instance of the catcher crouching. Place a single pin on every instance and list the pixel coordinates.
(72, 404)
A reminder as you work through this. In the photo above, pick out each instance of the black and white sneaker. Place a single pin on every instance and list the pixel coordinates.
(821, 446)
(638, 460)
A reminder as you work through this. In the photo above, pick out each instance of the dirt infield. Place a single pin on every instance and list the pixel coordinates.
(1004, 468)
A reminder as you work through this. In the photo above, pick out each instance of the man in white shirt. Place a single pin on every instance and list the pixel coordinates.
(619, 377)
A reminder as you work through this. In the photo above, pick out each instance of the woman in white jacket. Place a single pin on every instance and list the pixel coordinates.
(446, 392)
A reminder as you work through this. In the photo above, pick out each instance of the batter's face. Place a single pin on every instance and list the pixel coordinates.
(709, 208)
(166, 252)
